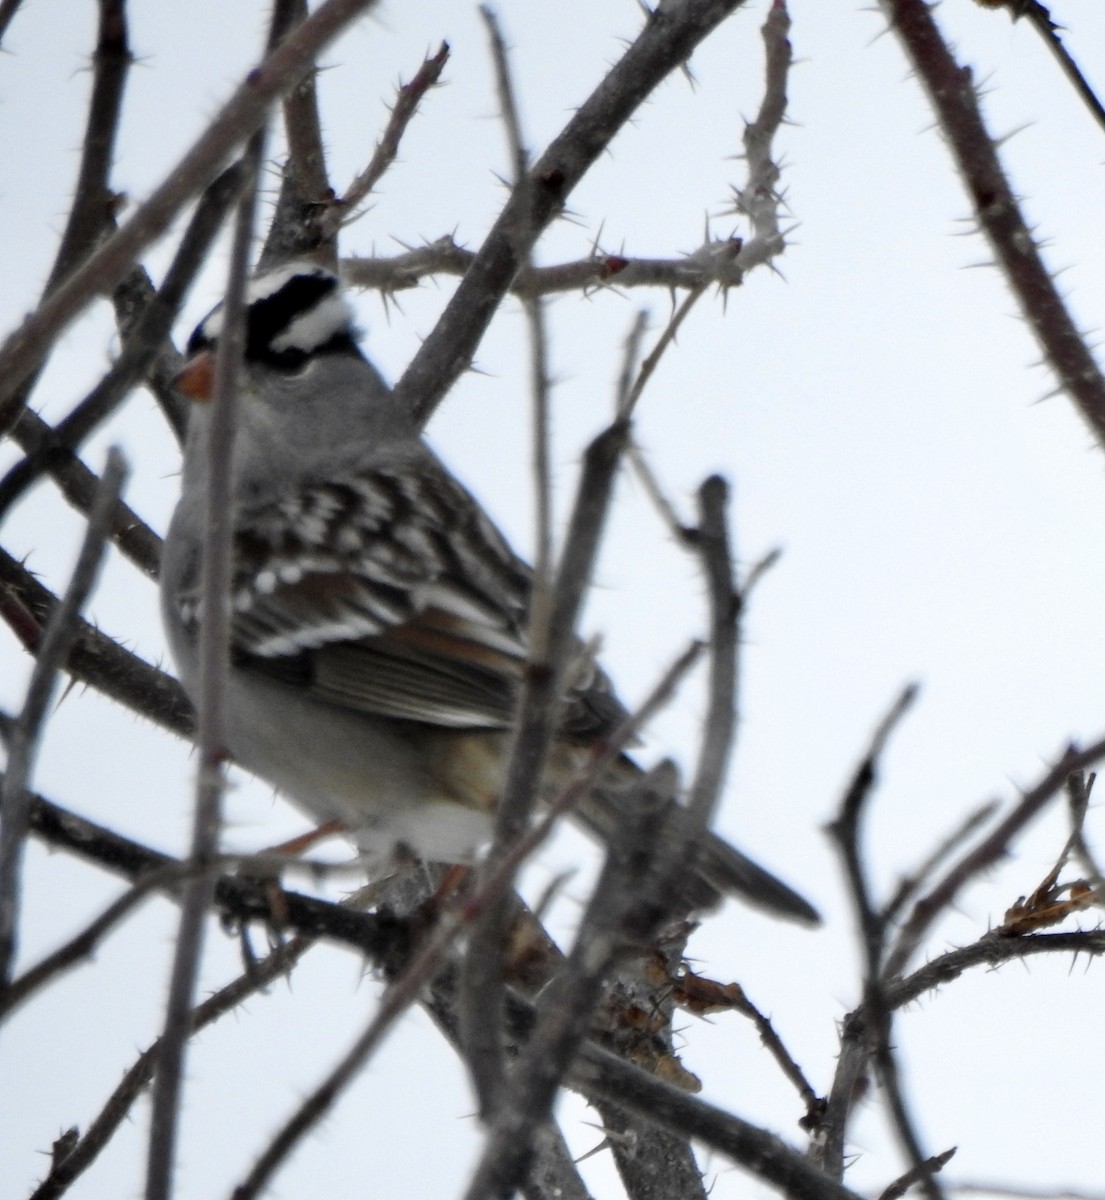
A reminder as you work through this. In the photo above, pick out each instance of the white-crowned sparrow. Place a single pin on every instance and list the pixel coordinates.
(379, 629)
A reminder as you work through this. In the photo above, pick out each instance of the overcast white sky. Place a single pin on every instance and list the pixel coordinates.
(880, 413)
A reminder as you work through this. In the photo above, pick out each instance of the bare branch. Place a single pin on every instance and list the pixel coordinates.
(23, 739)
(846, 831)
(951, 91)
(482, 996)
(214, 642)
(712, 541)
(759, 199)
(713, 263)
(407, 100)
(1040, 20)
(84, 1151)
(280, 70)
(987, 853)
(538, 712)
(652, 359)
(94, 658)
(54, 450)
(8, 9)
(667, 41)
(83, 944)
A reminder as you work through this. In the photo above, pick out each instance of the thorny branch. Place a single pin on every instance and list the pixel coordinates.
(951, 90)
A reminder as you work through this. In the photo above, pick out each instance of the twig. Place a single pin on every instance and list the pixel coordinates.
(615, 914)
(912, 884)
(538, 712)
(295, 229)
(712, 542)
(759, 198)
(8, 9)
(711, 264)
(93, 201)
(137, 1077)
(26, 606)
(988, 852)
(951, 91)
(482, 997)
(630, 359)
(303, 128)
(917, 1174)
(762, 1154)
(1038, 17)
(214, 640)
(279, 71)
(846, 832)
(90, 215)
(85, 942)
(238, 900)
(666, 42)
(736, 998)
(407, 100)
(1078, 787)
(675, 525)
(54, 449)
(652, 359)
(23, 741)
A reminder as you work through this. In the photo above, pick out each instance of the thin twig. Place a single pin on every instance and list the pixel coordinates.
(759, 199)
(54, 449)
(407, 100)
(951, 91)
(279, 71)
(214, 640)
(118, 1105)
(91, 213)
(662, 46)
(675, 525)
(652, 360)
(737, 998)
(631, 358)
(538, 711)
(27, 606)
(1038, 17)
(303, 128)
(23, 740)
(991, 850)
(762, 1154)
(712, 542)
(418, 971)
(1079, 786)
(846, 832)
(909, 886)
(82, 944)
(565, 1006)
(711, 265)
(482, 997)
(917, 1174)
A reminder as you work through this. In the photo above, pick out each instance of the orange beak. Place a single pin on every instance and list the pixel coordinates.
(196, 379)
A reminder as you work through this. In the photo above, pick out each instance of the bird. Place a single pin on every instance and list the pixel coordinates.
(379, 621)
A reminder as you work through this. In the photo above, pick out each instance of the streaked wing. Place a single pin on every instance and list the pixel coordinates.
(389, 592)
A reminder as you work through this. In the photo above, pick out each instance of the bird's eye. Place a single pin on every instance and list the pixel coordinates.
(290, 362)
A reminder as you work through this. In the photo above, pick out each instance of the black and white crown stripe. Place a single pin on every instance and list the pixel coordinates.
(292, 312)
